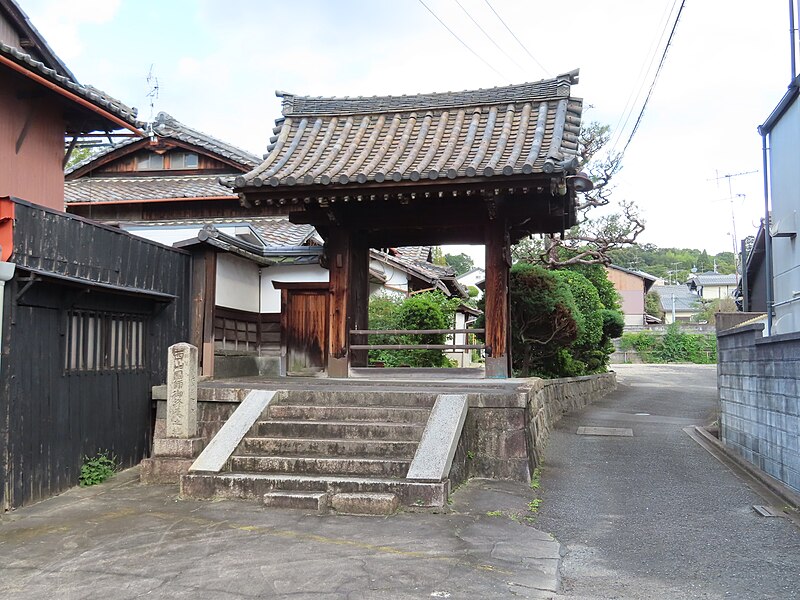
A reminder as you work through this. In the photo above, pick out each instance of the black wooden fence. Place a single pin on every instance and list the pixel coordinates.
(89, 316)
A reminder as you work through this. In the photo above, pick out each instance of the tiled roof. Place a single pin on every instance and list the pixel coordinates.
(684, 299)
(87, 92)
(713, 278)
(415, 252)
(167, 126)
(117, 189)
(512, 130)
(274, 231)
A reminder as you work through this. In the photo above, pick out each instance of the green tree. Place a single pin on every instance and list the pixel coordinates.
(461, 263)
(652, 305)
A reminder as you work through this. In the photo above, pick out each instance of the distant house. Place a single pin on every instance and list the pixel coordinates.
(678, 302)
(632, 287)
(712, 285)
(472, 277)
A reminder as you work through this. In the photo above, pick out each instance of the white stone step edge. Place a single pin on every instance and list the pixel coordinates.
(225, 442)
(436, 449)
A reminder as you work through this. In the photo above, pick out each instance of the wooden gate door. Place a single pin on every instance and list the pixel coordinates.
(305, 327)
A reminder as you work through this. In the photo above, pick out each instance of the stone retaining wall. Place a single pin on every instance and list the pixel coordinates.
(759, 386)
(504, 437)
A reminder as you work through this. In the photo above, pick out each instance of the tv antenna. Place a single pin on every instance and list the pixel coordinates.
(152, 94)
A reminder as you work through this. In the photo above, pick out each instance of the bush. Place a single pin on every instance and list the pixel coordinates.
(544, 321)
(428, 310)
(675, 346)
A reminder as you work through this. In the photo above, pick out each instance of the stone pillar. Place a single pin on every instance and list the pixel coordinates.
(175, 452)
(182, 391)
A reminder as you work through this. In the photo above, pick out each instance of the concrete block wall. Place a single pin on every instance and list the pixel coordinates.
(759, 391)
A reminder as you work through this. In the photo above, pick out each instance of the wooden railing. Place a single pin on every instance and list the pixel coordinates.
(356, 333)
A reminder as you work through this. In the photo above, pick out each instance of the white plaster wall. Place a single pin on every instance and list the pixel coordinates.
(396, 280)
(237, 283)
(169, 235)
(785, 189)
(270, 297)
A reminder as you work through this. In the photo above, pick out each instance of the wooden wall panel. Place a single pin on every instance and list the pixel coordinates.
(33, 171)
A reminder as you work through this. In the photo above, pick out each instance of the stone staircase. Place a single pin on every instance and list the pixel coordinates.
(348, 452)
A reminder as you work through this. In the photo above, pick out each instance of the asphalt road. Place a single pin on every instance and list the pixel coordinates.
(654, 515)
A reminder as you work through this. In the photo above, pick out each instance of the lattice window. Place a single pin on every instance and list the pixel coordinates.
(104, 341)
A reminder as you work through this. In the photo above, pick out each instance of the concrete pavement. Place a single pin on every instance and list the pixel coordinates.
(124, 540)
(655, 515)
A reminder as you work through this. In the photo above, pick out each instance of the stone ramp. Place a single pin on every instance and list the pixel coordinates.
(343, 451)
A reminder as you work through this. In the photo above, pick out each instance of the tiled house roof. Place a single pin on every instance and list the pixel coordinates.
(415, 252)
(135, 189)
(168, 127)
(502, 131)
(274, 231)
(714, 278)
(91, 94)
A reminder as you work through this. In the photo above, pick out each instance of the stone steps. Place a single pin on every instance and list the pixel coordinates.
(349, 413)
(256, 485)
(358, 467)
(343, 451)
(329, 430)
(326, 448)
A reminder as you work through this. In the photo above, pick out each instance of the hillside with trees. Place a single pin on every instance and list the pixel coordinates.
(671, 264)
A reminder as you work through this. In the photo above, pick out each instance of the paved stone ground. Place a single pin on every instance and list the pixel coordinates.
(655, 515)
(124, 540)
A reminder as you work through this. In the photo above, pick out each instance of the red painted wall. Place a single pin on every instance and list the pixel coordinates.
(34, 173)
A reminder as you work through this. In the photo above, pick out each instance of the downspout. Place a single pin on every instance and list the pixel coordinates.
(767, 234)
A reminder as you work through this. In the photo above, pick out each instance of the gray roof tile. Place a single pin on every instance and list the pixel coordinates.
(131, 189)
(512, 130)
(87, 92)
(167, 126)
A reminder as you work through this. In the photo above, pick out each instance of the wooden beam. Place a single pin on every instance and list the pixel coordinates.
(359, 294)
(498, 263)
(339, 250)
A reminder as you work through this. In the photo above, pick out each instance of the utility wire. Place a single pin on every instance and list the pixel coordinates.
(491, 39)
(515, 37)
(641, 77)
(655, 77)
(462, 41)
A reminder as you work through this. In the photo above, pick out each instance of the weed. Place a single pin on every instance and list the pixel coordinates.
(534, 505)
(494, 513)
(97, 469)
(536, 479)
(470, 454)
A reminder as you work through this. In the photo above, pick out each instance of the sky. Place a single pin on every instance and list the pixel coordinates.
(218, 65)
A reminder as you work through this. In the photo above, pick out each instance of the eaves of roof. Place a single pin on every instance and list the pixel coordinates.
(504, 131)
(17, 16)
(788, 99)
(108, 108)
(99, 190)
(167, 127)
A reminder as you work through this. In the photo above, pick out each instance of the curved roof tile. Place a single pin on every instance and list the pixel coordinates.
(512, 130)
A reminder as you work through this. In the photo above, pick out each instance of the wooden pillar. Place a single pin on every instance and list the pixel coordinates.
(498, 263)
(359, 296)
(204, 295)
(339, 253)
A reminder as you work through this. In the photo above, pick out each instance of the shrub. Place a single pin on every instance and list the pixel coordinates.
(427, 310)
(674, 346)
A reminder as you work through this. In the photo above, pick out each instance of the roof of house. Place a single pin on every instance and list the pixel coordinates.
(166, 126)
(440, 277)
(115, 189)
(415, 252)
(27, 65)
(648, 279)
(714, 278)
(32, 41)
(273, 231)
(685, 300)
(501, 131)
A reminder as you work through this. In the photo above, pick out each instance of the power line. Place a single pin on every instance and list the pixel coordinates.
(641, 78)
(655, 77)
(491, 39)
(462, 41)
(515, 37)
